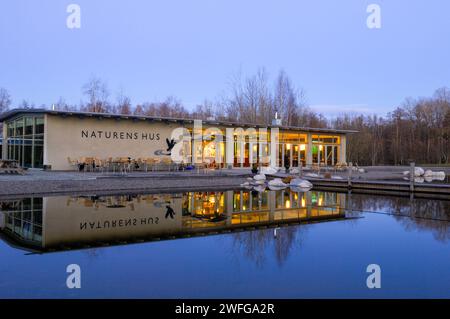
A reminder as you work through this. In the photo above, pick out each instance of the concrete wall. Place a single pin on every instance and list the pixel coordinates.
(89, 137)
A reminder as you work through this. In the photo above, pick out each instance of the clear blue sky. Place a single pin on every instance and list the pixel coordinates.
(191, 48)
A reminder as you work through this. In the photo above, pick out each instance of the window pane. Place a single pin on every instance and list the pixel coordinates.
(28, 126)
(37, 203)
(27, 156)
(19, 127)
(11, 129)
(38, 156)
(39, 129)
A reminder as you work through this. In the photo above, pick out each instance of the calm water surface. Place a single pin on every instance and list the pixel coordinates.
(232, 244)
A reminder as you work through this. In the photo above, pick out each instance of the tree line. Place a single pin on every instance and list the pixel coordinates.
(418, 129)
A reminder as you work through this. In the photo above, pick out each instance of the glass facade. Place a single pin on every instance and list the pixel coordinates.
(291, 149)
(325, 150)
(24, 219)
(25, 140)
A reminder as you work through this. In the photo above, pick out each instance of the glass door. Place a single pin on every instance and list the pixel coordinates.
(295, 156)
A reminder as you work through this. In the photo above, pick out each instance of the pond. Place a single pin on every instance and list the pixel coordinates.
(225, 244)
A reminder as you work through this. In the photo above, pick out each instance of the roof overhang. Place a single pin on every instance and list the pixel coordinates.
(18, 112)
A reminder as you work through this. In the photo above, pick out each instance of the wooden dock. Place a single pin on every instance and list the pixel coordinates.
(378, 186)
(395, 186)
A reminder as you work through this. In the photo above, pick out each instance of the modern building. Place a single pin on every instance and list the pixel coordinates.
(39, 138)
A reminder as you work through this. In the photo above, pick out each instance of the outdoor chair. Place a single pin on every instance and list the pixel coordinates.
(73, 162)
(147, 162)
(154, 162)
(90, 163)
(125, 164)
(167, 162)
(101, 164)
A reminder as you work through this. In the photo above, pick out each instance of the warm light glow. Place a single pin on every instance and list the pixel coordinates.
(288, 204)
(288, 146)
(255, 147)
(321, 147)
(296, 148)
(320, 201)
(303, 202)
(302, 147)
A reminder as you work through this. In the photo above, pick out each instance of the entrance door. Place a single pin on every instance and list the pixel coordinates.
(331, 155)
(296, 156)
(287, 162)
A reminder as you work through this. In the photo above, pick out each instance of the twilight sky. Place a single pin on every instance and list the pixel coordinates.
(191, 48)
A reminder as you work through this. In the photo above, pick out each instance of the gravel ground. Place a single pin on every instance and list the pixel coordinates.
(39, 182)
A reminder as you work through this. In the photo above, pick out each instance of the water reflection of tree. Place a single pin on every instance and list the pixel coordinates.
(426, 215)
(256, 245)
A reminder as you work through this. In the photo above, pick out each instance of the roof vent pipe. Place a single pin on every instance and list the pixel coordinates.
(276, 121)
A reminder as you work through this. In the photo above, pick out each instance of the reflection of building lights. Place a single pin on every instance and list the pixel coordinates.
(296, 148)
(321, 147)
(288, 203)
(288, 146)
(320, 201)
(303, 202)
(244, 207)
(255, 148)
(302, 147)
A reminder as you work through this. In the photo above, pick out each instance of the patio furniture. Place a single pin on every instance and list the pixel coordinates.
(10, 166)
(73, 162)
(167, 162)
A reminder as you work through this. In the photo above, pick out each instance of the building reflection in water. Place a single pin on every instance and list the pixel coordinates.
(56, 223)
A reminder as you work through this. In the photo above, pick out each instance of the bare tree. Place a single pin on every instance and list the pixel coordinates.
(123, 105)
(97, 92)
(25, 104)
(62, 105)
(5, 100)
(204, 111)
(139, 110)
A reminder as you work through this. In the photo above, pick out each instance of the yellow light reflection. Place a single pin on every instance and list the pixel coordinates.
(288, 204)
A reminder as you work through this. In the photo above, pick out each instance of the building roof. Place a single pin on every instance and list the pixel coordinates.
(16, 112)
